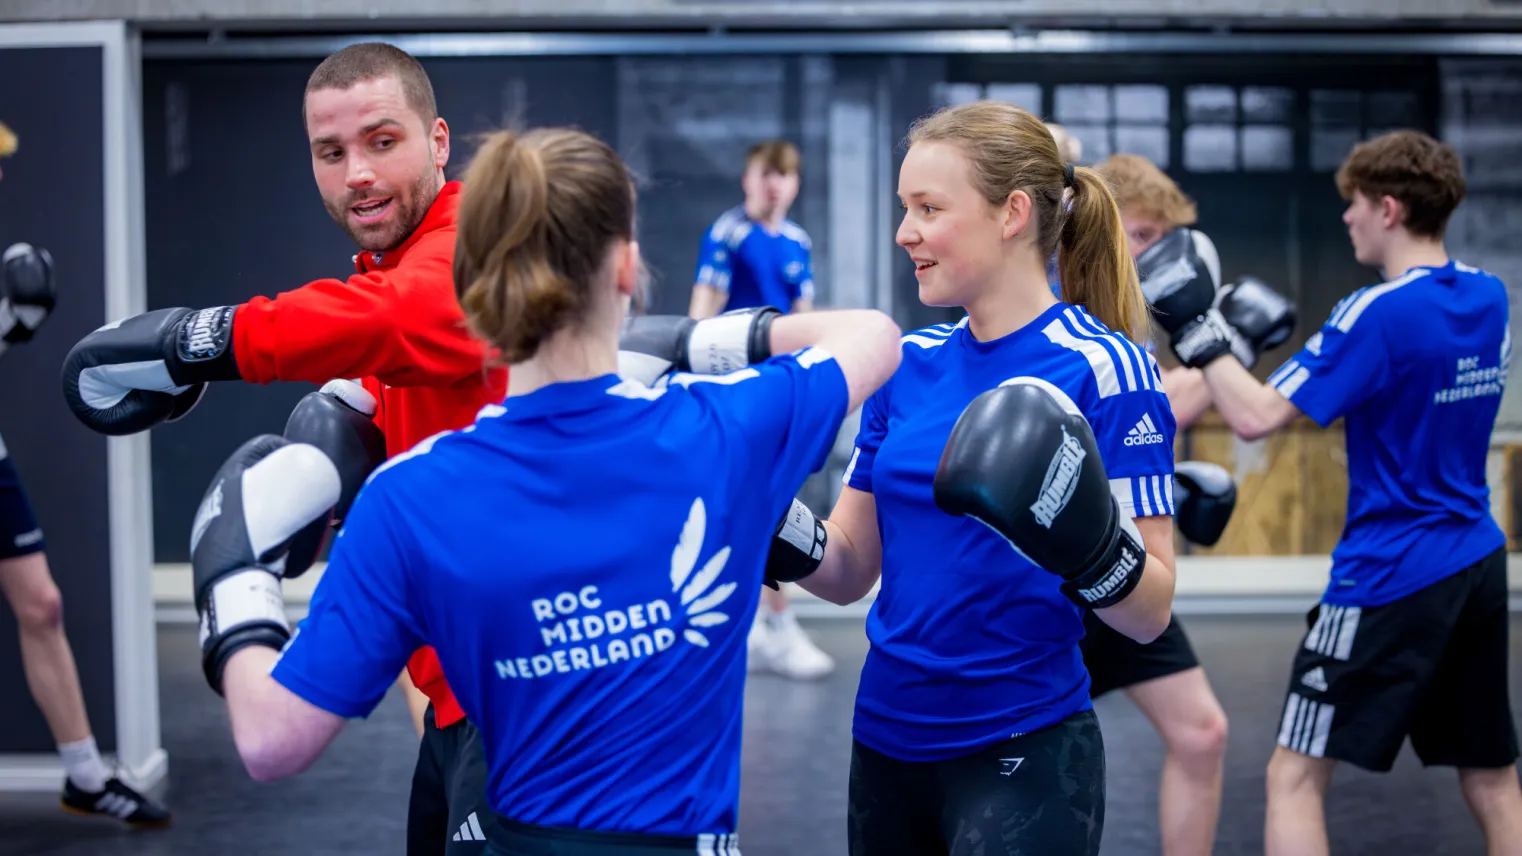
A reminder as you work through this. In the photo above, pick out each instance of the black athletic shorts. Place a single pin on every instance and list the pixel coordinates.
(1116, 661)
(510, 838)
(1431, 665)
(19, 533)
(448, 813)
(1037, 794)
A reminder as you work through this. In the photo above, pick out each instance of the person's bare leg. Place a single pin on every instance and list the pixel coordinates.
(1495, 798)
(1190, 720)
(417, 703)
(774, 600)
(48, 662)
(1295, 823)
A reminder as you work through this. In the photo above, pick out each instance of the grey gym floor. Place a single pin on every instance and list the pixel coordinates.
(794, 781)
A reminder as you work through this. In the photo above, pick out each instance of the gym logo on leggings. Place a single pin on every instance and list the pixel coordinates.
(580, 632)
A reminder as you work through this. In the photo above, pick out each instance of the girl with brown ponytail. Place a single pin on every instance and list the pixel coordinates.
(587, 556)
(994, 537)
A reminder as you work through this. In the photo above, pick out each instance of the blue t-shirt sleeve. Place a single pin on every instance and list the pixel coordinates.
(714, 265)
(1134, 432)
(1341, 366)
(788, 410)
(874, 427)
(359, 630)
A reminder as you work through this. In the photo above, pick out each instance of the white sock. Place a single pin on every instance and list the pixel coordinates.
(777, 620)
(85, 768)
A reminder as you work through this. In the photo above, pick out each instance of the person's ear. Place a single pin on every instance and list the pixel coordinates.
(439, 140)
(1392, 212)
(629, 269)
(1016, 213)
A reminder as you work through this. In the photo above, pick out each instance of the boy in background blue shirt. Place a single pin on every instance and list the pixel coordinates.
(1410, 638)
(754, 256)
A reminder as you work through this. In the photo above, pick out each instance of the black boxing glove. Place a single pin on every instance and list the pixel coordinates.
(1023, 461)
(1180, 285)
(265, 493)
(27, 293)
(797, 546)
(652, 346)
(129, 376)
(1204, 496)
(1262, 317)
(337, 419)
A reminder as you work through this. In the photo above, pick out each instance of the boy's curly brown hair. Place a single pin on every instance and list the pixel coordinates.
(1425, 176)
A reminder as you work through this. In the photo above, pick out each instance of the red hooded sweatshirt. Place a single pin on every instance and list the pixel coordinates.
(397, 326)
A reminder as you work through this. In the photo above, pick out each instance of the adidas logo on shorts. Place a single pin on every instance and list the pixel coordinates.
(470, 830)
(1315, 679)
(1144, 433)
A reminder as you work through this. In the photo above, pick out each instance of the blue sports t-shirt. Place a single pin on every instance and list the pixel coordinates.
(753, 266)
(586, 559)
(971, 643)
(1416, 367)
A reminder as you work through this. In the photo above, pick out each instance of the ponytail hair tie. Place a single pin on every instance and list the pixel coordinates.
(1067, 176)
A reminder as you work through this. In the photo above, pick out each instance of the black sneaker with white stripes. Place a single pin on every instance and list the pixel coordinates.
(118, 800)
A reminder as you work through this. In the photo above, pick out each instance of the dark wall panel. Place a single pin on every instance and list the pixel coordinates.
(911, 84)
(52, 195)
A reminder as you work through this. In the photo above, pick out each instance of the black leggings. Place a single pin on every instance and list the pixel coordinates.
(509, 838)
(1039, 794)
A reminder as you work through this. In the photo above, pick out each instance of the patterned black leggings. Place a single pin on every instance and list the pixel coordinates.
(1039, 794)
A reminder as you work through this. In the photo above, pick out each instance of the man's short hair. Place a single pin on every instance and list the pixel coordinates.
(779, 155)
(1141, 188)
(370, 60)
(1422, 174)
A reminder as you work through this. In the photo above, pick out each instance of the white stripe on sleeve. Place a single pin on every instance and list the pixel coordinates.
(1125, 494)
(1289, 385)
(851, 466)
(1098, 356)
(1155, 486)
(1348, 315)
(1283, 371)
(1133, 360)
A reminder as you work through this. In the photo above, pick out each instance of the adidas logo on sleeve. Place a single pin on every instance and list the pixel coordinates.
(1144, 433)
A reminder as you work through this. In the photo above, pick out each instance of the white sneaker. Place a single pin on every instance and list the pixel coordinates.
(756, 643)
(778, 643)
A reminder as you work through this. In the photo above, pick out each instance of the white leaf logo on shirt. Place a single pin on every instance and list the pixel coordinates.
(696, 591)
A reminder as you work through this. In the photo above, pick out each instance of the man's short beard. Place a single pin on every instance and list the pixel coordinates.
(424, 191)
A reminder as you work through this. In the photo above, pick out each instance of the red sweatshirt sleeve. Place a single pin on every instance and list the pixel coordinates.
(403, 326)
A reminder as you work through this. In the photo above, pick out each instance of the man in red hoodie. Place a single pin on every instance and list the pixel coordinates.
(378, 153)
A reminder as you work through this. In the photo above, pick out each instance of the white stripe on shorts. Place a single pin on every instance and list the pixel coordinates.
(1334, 630)
(1306, 725)
(722, 844)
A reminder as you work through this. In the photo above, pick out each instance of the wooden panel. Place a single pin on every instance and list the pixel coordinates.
(1506, 495)
(1324, 462)
(1291, 487)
